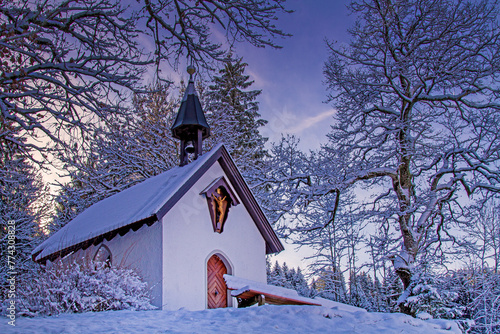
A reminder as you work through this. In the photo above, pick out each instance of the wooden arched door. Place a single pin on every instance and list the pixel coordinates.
(216, 287)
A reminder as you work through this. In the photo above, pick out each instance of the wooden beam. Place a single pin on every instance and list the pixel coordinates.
(251, 297)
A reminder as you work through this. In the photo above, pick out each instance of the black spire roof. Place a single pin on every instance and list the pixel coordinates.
(190, 117)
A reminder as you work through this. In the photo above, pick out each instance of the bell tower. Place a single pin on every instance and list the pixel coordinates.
(190, 125)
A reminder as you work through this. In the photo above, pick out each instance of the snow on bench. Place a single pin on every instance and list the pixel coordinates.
(251, 292)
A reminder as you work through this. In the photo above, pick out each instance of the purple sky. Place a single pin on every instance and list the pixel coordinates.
(291, 78)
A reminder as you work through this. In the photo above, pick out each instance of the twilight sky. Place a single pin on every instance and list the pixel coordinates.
(291, 78)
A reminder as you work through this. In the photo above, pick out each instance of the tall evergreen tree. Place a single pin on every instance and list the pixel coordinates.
(299, 283)
(362, 293)
(281, 275)
(230, 101)
(287, 276)
(277, 276)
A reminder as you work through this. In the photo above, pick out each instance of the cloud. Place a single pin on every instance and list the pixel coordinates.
(308, 122)
(259, 80)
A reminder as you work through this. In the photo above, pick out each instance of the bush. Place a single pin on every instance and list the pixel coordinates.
(76, 288)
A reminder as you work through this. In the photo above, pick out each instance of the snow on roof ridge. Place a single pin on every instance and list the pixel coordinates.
(167, 183)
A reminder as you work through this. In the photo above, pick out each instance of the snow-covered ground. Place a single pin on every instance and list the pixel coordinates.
(262, 319)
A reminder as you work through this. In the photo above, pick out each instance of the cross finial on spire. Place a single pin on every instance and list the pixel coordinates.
(191, 70)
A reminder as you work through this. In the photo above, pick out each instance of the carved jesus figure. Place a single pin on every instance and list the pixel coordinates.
(220, 205)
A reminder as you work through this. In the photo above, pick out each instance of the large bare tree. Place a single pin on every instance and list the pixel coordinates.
(417, 95)
(417, 130)
(67, 63)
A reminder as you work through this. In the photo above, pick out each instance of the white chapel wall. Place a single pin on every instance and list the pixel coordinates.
(141, 250)
(189, 240)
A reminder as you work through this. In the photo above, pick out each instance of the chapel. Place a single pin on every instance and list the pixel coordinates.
(183, 231)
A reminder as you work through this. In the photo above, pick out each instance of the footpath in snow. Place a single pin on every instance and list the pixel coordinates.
(263, 319)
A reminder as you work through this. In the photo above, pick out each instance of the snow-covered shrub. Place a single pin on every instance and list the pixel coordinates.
(88, 287)
(485, 303)
(426, 298)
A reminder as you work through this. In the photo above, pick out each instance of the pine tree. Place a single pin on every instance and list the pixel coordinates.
(363, 295)
(392, 289)
(268, 269)
(230, 102)
(281, 275)
(290, 278)
(300, 284)
(277, 276)
(477, 293)
(429, 297)
(286, 275)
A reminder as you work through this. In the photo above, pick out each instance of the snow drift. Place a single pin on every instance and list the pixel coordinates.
(262, 319)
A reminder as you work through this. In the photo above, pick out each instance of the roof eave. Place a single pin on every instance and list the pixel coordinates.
(273, 244)
(95, 240)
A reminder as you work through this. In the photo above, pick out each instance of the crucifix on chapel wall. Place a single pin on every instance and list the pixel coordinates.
(220, 205)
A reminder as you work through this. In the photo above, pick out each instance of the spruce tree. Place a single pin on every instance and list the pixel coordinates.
(231, 102)
(281, 275)
(287, 276)
(300, 284)
(277, 276)
(363, 294)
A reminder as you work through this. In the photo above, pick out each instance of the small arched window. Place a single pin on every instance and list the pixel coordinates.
(103, 255)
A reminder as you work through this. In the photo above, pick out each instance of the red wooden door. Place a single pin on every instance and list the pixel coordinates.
(216, 287)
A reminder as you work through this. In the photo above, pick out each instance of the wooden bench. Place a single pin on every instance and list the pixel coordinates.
(250, 292)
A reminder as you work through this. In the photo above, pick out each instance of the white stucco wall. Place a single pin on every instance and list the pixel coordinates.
(141, 250)
(189, 241)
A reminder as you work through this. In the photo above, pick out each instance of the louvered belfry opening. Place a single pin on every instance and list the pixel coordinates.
(216, 287)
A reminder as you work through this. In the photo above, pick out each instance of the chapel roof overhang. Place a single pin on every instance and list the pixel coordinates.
(145, 204)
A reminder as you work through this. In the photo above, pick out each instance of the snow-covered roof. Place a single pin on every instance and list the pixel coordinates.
(241, 285)
(146, 203)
